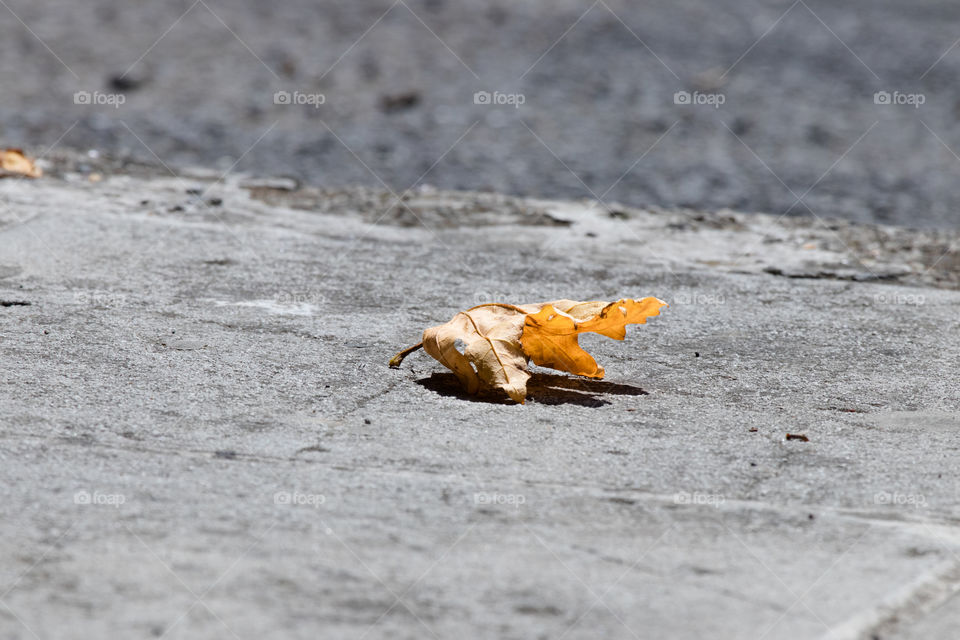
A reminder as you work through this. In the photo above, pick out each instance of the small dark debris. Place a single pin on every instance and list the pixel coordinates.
(497, 16)
(366, 421)
(531, 610)
(810, 516)
(316, 448)
(15, 303)
(399, 101)
(124, 83)
(617, 214)
(590, 234)
(753, 464)
(225, 454)
(818, 135)
(144, 203)
(741, 126)
(617, 452)
(831, 275)
(219, 262)
(215, 202)
(619, 500)
(798, 436)
(194, 192)
(175, 209)
(546, 219)
(288, 68)
(696, 354)
(752, 429)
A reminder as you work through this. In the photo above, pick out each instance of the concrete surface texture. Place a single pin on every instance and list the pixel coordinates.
(201, 437)
(598, 81)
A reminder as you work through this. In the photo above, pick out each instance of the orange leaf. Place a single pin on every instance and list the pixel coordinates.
(550, 336)
(498, 339)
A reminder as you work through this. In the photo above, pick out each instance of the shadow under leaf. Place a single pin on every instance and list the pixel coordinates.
(542, 388)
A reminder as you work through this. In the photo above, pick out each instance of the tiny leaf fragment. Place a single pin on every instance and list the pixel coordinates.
(14, 163)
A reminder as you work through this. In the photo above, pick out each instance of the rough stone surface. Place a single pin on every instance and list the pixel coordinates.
(201, 437)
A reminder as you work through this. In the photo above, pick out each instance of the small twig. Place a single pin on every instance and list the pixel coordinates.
(397, 359)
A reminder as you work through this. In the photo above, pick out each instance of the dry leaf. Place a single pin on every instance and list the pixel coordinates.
(14, 163)
(491, 338)
(499, 339)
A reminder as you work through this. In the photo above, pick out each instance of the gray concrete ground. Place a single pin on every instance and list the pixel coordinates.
(598, 78)
(201, 437)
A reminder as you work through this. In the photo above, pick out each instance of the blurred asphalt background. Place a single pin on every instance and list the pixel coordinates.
(798, 131)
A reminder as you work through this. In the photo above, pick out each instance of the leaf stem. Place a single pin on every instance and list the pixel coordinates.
(397, 359)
